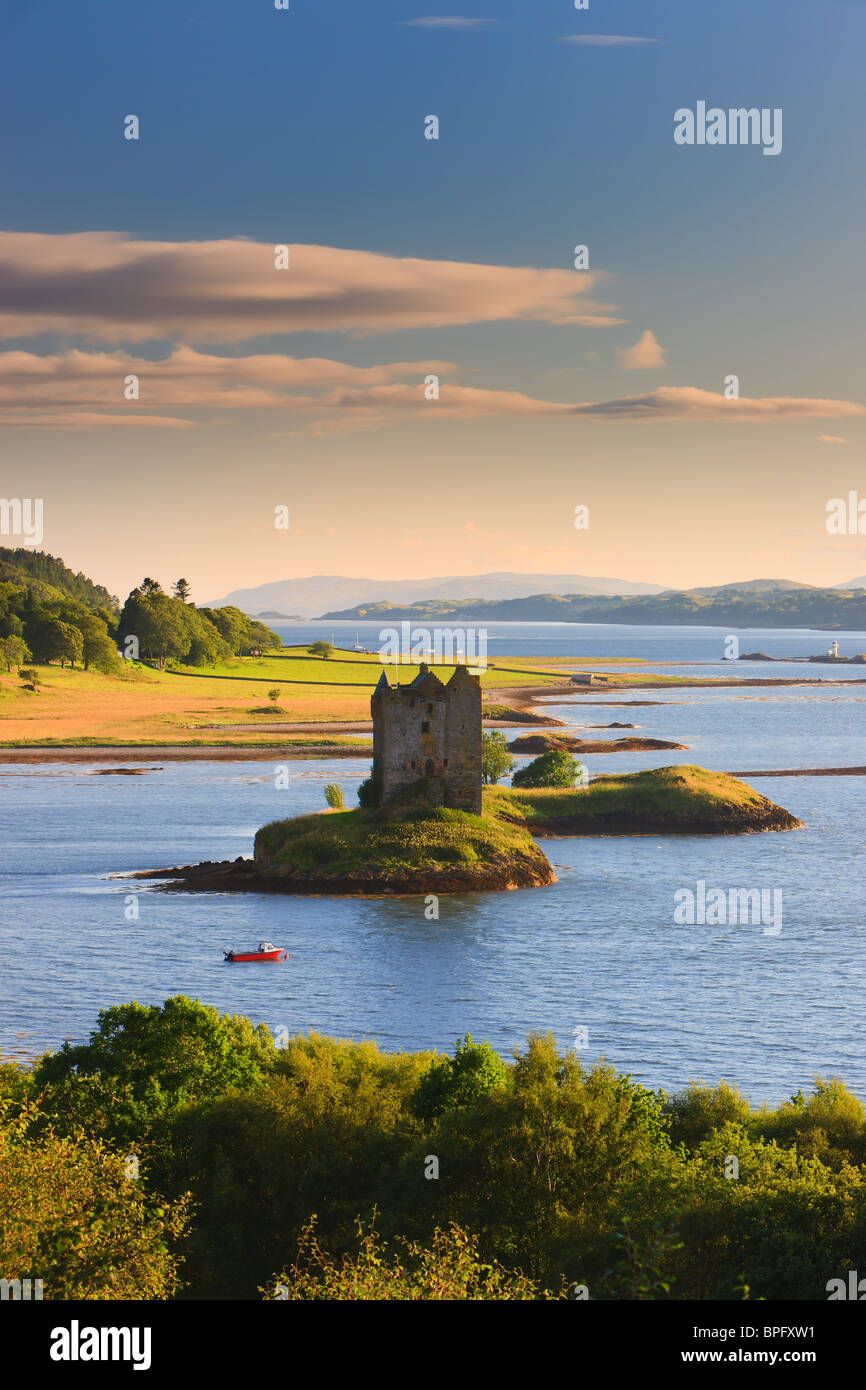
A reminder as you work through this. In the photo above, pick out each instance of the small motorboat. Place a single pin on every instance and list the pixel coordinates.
(266, 951)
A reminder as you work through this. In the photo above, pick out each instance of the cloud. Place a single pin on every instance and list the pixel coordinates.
(186, 378)
(445, 22)
(107, 287)
(647, 352)
(604, 40)
(79, 389)
(380, 405)
(691, 403)
(88, 420)
(830, 439)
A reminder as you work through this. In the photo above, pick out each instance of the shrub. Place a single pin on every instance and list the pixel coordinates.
(334, 796)
(370, 792)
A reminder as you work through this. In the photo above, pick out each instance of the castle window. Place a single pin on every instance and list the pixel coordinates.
(425, 727)
(445, 762)
(429, 709)
(413, 763)
(428, 767)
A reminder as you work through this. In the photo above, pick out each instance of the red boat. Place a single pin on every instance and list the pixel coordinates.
(266, 951)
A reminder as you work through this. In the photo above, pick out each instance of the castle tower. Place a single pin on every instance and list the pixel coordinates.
(430, 730)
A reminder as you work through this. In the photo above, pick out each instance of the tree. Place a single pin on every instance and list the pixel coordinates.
(334, 796)
(554, 769)
(26, 673)
(150, 586)
(231, 624)
(142, 1062)
(57, 641)
(14, 651)
(452, 1083)
(158, 622)
(496, 761)
(322, 649)
(181, 589)
(274, 695)
(98, 648)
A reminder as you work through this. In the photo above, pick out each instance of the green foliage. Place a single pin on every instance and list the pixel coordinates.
(143, 1061)
(48, 579)
(334, 796)
(449, 1268)
(172, 629)
(311, 1158)
(14, 651)
(71, 1216)
(274, 694)
(554, 769)
(322, 649)
(370, 792)
(496, 761)
(452, 1083)
(699, 1110)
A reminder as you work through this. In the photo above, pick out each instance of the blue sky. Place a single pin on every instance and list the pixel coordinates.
(306, 127)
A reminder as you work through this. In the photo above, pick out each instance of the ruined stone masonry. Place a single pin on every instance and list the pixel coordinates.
(430, 730)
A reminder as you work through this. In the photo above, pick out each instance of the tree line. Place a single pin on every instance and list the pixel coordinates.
(44, 624)
(184, 1154)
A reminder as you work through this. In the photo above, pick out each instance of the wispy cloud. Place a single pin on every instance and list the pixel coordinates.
(86, 390)
(107, 287)
(830, 439)
(646, 352)
(604, 40)
(445, 22)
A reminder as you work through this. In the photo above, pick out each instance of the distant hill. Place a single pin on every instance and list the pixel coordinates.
(734, 606)
(752, 586)
(49, 577)
(316, 593)
(853, 583)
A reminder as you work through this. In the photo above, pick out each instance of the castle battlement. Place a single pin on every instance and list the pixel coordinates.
(430, 729)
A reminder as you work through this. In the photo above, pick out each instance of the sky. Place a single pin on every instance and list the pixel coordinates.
(305, 387)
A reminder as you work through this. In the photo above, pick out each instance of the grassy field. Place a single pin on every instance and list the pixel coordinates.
(144, 706)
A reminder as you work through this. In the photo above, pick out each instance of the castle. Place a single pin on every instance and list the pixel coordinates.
(430, 730)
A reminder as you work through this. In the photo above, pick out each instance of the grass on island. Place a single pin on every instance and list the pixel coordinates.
(664, 799)
(344, 842)
(667, 798)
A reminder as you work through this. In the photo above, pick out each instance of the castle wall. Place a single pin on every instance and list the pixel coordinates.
(430, 733)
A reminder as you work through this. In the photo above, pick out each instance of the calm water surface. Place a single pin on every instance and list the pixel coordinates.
(598, 949)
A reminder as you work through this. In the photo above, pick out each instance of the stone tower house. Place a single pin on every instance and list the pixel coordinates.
(428, 729)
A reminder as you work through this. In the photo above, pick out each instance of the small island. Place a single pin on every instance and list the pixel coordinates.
(548, 743)
(412, 847)
(427, 824)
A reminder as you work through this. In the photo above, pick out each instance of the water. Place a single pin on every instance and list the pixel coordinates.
(599, 949)
(607, 641)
